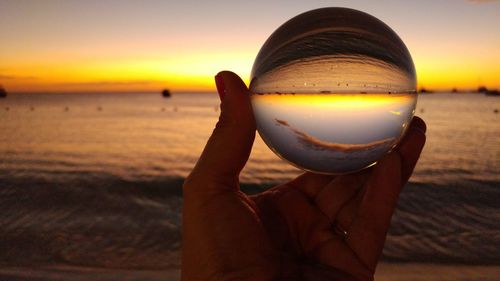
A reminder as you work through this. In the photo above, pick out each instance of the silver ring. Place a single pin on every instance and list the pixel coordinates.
(340, 230)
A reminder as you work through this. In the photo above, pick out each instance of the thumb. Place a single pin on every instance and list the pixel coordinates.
(229, 146)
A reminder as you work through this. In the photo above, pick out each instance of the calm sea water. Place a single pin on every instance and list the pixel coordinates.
(93, 181)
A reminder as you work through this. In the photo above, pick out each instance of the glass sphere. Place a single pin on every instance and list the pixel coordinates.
(333, 90)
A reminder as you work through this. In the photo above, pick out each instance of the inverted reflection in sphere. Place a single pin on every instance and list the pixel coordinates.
(333, 90)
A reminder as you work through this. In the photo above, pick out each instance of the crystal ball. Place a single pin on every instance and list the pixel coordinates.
(333, 90)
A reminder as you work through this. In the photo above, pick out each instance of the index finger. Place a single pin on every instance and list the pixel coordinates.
(411, 147)
(369, 228)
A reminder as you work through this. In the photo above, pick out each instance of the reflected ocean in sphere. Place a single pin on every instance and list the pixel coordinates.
(333, 90)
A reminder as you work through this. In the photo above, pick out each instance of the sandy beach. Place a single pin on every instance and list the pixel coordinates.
(434, 272)
(385, 272)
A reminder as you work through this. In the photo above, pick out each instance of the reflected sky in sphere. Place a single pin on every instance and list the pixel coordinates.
(333, 90)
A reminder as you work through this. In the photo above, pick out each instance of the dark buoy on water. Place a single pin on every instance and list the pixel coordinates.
(488, 92)
(3, 93)
(494, 92)
(425, 91)
(166, 93)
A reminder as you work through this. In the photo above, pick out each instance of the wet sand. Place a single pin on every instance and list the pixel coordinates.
(76, 273)
(436, 272)
(386, 272)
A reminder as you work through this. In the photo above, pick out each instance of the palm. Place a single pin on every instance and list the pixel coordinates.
(299, 218)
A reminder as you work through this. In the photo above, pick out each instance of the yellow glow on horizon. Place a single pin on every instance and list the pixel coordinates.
(465, 67)
(184, 72)
(338, 101)
(449, 75)
(195, 72)
(85, 46)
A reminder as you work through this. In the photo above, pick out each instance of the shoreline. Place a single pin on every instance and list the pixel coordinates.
(386, 271)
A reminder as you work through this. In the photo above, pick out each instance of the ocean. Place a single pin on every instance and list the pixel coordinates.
(90, 184)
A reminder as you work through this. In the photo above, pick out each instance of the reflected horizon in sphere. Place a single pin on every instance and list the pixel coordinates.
(333, 90)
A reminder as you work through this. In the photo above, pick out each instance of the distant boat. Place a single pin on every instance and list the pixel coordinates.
(3, 93)
(166, 93)
(488, 92)
(425, 91)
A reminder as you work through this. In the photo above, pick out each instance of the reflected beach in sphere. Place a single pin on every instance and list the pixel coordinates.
(333, 90)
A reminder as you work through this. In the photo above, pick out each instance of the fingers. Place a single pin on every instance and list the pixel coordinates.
(335, 253)
(339, 192)
(417, 122)
(368, 230)
(322, 272)
(369, 227)
(228, 149)
(310, 184)
(411, 147)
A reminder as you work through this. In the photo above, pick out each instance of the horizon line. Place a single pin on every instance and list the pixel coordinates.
(184, 92)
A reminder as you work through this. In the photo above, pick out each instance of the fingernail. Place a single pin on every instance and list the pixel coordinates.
(417, 122)
(219, 83)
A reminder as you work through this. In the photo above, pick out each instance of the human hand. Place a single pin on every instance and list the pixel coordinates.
(315, 227)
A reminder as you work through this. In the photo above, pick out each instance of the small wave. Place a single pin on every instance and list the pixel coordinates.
(456, 222)
(101, 220)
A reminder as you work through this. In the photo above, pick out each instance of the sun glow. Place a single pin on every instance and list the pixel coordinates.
(81, 46)
(195, 72)
(188, 72)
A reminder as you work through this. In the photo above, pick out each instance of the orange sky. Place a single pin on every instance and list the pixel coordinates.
(77, 46)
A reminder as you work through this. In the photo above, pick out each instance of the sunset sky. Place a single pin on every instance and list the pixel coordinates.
(133, 45)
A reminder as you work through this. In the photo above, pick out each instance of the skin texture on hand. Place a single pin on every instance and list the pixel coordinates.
(293, 231)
